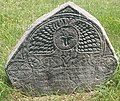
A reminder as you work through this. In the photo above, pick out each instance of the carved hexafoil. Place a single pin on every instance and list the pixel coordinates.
(63, 50)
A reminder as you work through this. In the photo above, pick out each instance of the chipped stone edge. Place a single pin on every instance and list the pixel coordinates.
(46, 16)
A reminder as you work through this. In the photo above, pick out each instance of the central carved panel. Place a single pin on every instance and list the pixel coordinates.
(66, 37)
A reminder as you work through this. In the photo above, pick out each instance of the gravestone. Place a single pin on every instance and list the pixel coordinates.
(63, 50)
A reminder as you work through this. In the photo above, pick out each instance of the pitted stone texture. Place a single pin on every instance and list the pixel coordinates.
(66, 49)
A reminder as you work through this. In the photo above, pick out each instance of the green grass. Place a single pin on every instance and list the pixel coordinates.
(17, 15)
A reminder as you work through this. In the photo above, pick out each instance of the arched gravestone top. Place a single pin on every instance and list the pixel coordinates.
(62, 50)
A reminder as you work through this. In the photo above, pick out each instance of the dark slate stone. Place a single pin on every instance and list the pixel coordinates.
(63, 50)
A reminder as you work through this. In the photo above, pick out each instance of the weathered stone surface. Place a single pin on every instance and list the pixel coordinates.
(62, 50)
